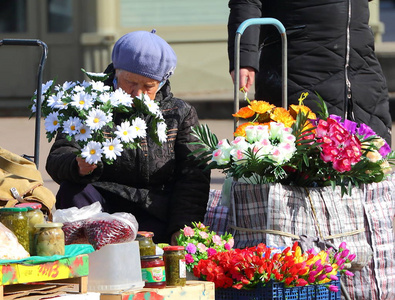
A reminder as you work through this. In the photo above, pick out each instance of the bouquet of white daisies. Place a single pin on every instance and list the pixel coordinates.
(84, 112)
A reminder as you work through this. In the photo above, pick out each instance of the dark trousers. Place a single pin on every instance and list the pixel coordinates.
(80, 195)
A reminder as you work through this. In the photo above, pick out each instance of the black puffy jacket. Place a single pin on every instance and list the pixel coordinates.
(161, 180)
(330, 52)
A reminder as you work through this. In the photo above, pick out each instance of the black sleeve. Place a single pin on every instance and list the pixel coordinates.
(190, 194)
(241, 10)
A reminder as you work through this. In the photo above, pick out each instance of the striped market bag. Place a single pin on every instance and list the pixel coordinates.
(277, 215)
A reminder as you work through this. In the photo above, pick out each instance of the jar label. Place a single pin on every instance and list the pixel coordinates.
(156, 274)
(183, 268)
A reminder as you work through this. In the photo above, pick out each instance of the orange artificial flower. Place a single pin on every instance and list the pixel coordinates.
(261, 107)
(244, 113)
(294, 109)
(281, 115)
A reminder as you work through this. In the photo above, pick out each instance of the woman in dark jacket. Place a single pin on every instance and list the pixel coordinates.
(162, 186)
(330, 52)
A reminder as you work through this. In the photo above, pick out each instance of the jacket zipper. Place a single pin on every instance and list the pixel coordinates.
(348, 100)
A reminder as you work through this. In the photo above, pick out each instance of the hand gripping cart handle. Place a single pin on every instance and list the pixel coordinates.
(240, 30)
(33, 42)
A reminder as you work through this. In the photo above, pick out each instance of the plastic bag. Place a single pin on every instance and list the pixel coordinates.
(9, 246)
(104, 228)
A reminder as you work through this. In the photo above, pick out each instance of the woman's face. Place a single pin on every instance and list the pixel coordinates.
(135, 84)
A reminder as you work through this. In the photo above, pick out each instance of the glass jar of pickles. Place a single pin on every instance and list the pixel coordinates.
(176, 273)
(35, 216)
(49, 239)
(146, 244)
(16, 220)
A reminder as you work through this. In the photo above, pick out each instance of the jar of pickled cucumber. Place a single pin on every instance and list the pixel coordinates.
(35, 216)
(146, 244)
(49, 239)
(176, 273)
(16, 220)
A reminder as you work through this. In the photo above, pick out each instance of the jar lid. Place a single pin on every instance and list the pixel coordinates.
(30, 205)
(13, 209)
(173, 248)
(147, 234)
(149, 257)
(49, 225)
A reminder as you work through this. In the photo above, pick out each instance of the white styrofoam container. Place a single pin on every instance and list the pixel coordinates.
(115, 267)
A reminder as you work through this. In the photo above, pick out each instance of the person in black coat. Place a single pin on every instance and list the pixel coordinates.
(330, 52)
(162, 186)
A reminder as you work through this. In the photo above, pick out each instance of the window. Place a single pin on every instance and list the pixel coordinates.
(60, 16)
(13, 16)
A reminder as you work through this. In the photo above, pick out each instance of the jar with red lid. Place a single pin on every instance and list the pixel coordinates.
(146, 244)
(153, 271)
(176, 272)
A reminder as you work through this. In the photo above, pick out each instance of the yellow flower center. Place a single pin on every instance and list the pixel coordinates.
(72, 127)
(83, 130)
(111, 147)
(137, 128)
(82, 102)
(125, 133)
(95, 120)
(55, 122)
(93, 151)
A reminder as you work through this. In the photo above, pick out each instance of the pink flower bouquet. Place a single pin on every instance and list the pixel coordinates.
(201, 243)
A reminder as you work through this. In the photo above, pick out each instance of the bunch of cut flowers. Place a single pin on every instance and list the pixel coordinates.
(255, 266)
(297, 147)
(84, 112)
(200, 243)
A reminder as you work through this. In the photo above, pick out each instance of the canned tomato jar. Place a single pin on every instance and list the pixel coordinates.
(176, 272)
(153, 271)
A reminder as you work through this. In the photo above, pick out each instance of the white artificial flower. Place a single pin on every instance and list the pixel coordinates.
(72, 126)
(152, 106)
(45, 87)
(140, 127)
(221, 157)
(263, 147)
(105, 97)
(99, 86)
(120, 97)
(84, 134)
(162, 136)
(65, 86)
(51, 122)
(55, 101)
(78, 89)
(112, 148)
(85, 84)
(92, 152)
(82, 101)
(97, 119)
(125, 132)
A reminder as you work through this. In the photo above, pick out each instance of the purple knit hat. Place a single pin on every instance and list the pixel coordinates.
(146, 54)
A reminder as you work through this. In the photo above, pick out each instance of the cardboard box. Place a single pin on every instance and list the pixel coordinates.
(193, 290)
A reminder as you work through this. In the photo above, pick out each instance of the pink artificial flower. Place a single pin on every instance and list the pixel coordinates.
(200, 225)
(191, 248)
(201, 247)
(333, 277)
(231, 242)
(349, 273)
(227, 246)
(351, 257)
(217, 240)
(333, 288)
(188, 231)
(203, 234)
(188, 258)
(211, 251)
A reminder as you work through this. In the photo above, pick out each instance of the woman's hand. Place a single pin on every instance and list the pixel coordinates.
(84, 168)
(247, 78)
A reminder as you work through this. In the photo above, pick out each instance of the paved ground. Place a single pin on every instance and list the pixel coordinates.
(17, 135)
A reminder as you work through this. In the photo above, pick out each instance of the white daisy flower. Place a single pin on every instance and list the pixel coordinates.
(45, 87)
(112, 148)
(85, 84)
(55, 101)
(82, 101)
(99, 86)
(72, 126)
(51, 122)
(65, 86)
(92, 152)
(84, 134)
(140, 127)
(152, 106)
(125, 132)
(161, 128)
(96, 119)
(105, 97)
(120, 97)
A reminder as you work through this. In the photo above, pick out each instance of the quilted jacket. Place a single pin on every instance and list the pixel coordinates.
(164, 181)
(330, 52)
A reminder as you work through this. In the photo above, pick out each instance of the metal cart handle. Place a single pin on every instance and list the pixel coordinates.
(240, 30)
(33, 42)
